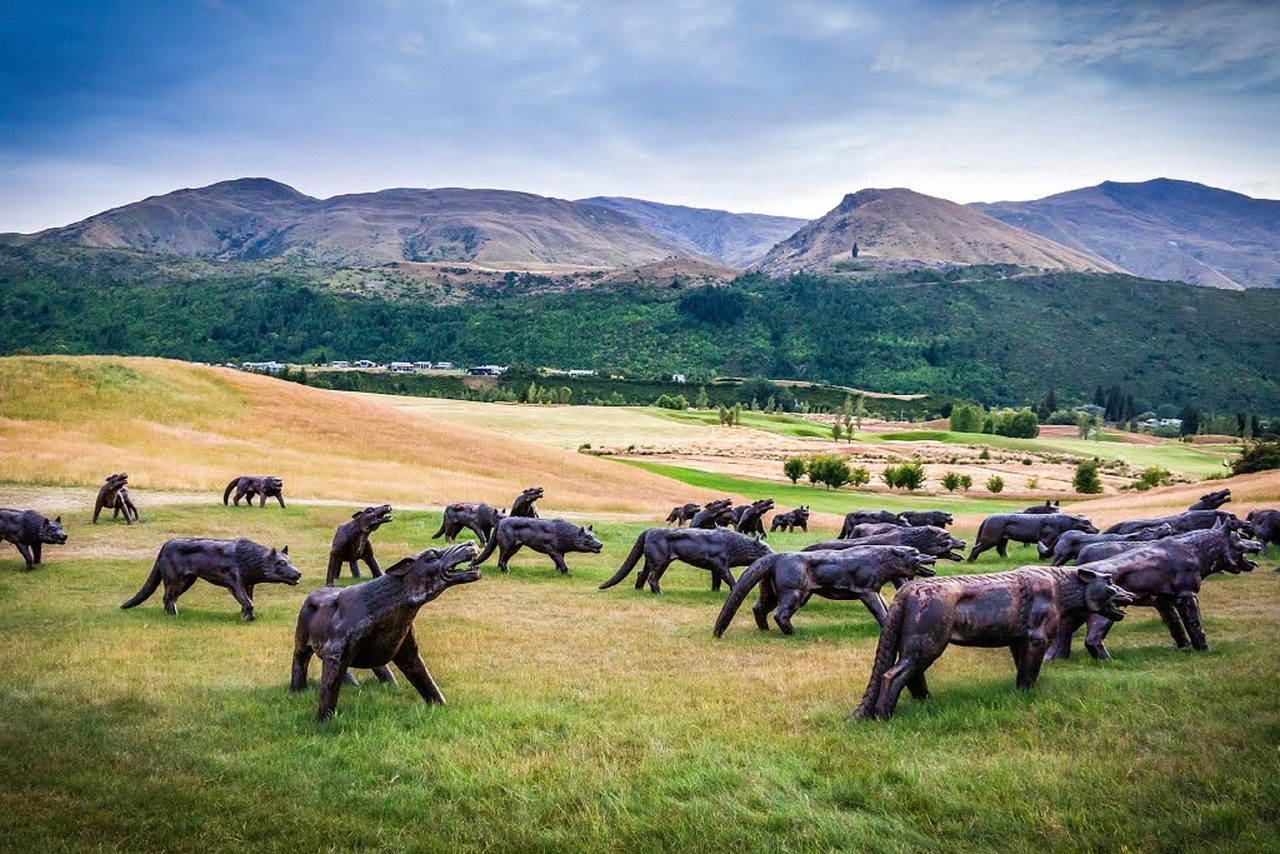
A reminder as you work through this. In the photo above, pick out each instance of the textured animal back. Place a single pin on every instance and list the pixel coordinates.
(250, 556)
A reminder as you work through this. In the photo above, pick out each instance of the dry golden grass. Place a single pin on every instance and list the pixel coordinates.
(71, 421)
(1248, 492)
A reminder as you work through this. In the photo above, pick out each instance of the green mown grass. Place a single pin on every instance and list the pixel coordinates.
(582, 719)
(782, 424)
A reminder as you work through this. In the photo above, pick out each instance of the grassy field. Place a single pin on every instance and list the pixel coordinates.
(582, 719)
(578, 719)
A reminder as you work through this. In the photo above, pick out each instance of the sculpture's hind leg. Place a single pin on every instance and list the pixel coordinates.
(415, 670)
(1028, 654)
(1002, 547)
(301, 662)
(173, 588)
(505, 553)
(891, 685)
(655, 577)
(766, 603)
(789, 601)
(384, 674)
(331, 674)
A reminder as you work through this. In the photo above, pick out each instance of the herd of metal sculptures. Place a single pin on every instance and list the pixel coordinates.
(1033, 610)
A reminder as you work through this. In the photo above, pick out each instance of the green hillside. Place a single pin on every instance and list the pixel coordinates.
(970, 333)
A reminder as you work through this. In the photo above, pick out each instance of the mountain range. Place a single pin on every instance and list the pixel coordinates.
(1162, 229)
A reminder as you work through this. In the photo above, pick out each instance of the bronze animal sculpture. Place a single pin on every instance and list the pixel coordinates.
(926, 539)
(996, 531)
(551, 537)
(1212, 501)
(1046, 507)
(371, 624)
(749, 518)
(1071, 542)
(481, 519)
(870, 529)
(351, 543)
(248, 486)
(921, 518)
(237, 565)
(798, 518)
(683, 513)
(113, 495)
(716, 550)
(523, 505)
(861, 517)
(1266, 527)
(788, 580)
(29, 531)
(1021, 609)
(1182, 523)
(714, 514)
(1164, 574)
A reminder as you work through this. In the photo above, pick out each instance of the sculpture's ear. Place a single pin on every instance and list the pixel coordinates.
(591, 527)
(356, 515)
(58, 521)
(1086, 574)
(400, 567)
(285, 550)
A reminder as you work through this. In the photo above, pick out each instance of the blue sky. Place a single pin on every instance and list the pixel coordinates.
(772, 107)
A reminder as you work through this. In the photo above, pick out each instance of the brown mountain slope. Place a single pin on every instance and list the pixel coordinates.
(900, 225)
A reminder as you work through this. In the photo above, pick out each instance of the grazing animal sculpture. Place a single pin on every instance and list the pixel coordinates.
(713, 515)
(996, 531)
(926, 539)
(351, 543)
(1046, 507)
(237, 565)
(921, 518)
(1071, 542)
(29, 530)
(749, 518)
(481, 519)
(1021, 609)
(523, 505)
(683, 513)
(788, 580)
(798, 518)
(1266, 527)
(1164, 574)
(113, 495)
(862, 517)
(716, 550)
(247, 486)
(371, 624)
(1182, 523)
(551, 537)
(1212, 501)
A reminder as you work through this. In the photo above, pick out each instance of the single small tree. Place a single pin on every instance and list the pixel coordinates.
(966, 482)
(950, 481)
(829, 469)
(911, 476)
(736, 412)
(995, 483)
(724, 416)
(859, 476)
(1086, 478)
(702, 401)
(837, 430)
(794, 468)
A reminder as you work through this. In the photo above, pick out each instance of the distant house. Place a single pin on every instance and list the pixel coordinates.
(486, 370)
(422, 366)
(444, 366)
(272, 367)
(678, 378)
(365, 363)
(401, 367)
(581, 373)
(340, 363)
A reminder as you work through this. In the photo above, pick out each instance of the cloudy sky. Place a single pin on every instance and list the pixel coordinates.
(773, 107)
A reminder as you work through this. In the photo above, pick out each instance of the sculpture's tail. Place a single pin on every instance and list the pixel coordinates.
(846, 530)
(886, 655)
(629, 564)
(148, 587)
(440, 533)
(489, 549)
(226, 493)
(752, 576)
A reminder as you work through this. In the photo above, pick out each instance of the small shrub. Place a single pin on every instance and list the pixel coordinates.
(995, 483)
(1086, 478)
(966, 482)
(1153, 476)
(794, 468)
(859, 476)
(985, 455)
(950, 481)
(911, 476)
(1257, 456)
(829, 469)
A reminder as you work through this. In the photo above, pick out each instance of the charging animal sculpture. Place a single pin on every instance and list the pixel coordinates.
(683, 513)
(715, 550)
(1266, 526)
(1182, 523)
(114, 496)
(237, 565)
(1046, 507)
(29, 531)
(1071, 542)
(749, 518)
(920, 518)
(1021, 609)
(371, 624)
(789, 580)
(523, 505)
(1212, 501)
(1165, 574)
(248, 486)
(926, 539)
(714, 514)
(863, 517)
(798, 518)
(351, 543)
(480, 519)
(551, 537)
(996, 531)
